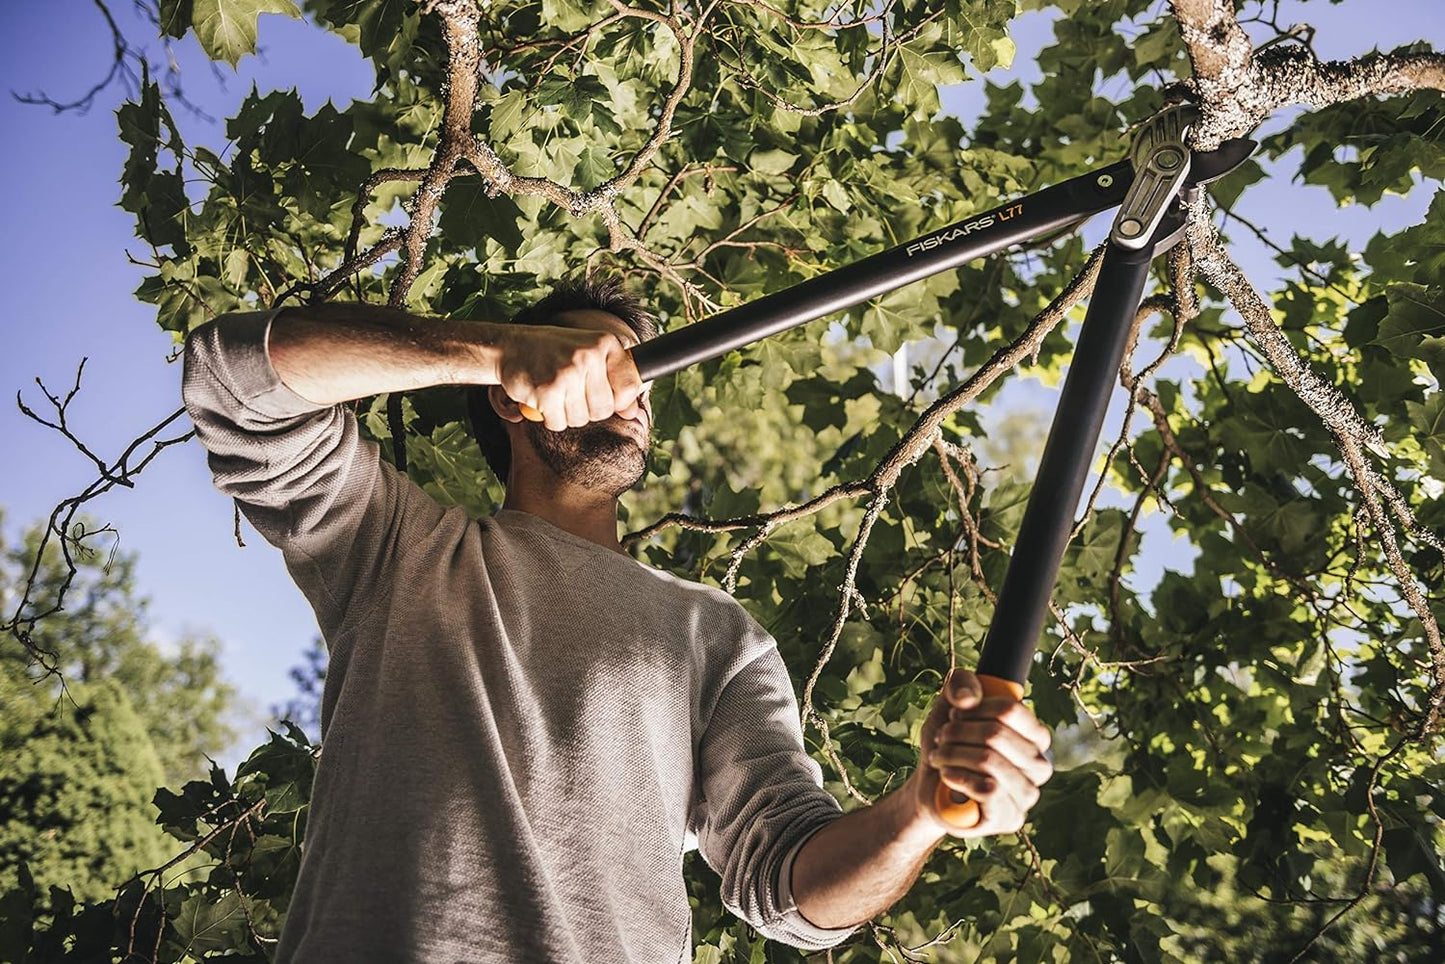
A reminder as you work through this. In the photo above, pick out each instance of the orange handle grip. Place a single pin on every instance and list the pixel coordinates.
(952, 807)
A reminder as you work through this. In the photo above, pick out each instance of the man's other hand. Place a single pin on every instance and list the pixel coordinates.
(573, 376)
(991, 749)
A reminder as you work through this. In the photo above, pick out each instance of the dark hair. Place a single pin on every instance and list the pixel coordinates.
(603, 292)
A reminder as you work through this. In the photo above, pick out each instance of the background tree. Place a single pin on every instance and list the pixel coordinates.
(304, 708)
(175, 689)
(84, 751)
(75, 787)
(1252, 767)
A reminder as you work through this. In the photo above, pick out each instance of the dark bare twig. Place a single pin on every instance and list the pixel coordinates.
(129, 67)
(72, 535)
(120, 70)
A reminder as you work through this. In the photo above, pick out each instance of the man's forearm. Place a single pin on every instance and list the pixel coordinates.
(338, 352)
(858, 866)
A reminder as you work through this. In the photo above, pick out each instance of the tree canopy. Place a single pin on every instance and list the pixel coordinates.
(84, 750)
(1249, 762)
(176, 689)
(76, 787)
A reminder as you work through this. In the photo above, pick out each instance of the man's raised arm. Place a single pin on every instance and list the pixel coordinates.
(338, 352)
(263, 389)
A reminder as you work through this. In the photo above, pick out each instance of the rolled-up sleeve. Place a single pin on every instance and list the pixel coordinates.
(763, 797)
(300, 472)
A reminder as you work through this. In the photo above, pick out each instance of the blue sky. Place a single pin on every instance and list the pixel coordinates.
(70, 287)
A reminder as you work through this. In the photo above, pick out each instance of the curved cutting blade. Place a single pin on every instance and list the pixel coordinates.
(1212, 165)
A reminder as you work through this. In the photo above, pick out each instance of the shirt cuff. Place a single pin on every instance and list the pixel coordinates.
(812, 937)
(243, 340)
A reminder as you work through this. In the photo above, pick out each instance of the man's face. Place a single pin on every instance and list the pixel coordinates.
(608, 456)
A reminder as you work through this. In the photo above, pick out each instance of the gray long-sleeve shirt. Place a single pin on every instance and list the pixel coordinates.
(524, 732)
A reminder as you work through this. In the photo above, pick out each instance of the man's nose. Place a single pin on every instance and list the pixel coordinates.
(639, 406)
(633, 410)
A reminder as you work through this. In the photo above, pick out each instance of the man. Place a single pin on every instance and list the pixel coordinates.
(526, 729)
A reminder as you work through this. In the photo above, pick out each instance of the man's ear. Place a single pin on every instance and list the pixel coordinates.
(502, 404)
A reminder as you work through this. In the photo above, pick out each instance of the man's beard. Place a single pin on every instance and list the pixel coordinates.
(592, 456)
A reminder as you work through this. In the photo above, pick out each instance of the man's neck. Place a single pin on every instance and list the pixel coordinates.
(582, 512)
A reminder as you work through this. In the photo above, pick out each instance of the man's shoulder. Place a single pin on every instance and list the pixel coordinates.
(698, 593)
(692, 591)
(722, 633)
(718, 620)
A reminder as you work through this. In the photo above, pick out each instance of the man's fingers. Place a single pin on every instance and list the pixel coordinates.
(962, 689)
(1002, 789)
(991, 748)
(1012, 714)
(551, 403)
(989, 777)
(599, 394)
(575, 406)
(622, 374)
(958, 743)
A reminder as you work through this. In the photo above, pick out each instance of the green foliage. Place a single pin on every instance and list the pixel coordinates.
(74, 791)
(226, 29)
(223, 896)
(175, 689)
(1237, 733)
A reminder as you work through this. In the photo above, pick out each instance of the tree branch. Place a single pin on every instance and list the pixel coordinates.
(62, 523)
(1352, 433)
(1238, 88)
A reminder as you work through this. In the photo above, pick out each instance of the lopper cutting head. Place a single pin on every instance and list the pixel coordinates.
(1212, 165)
(1166, 172)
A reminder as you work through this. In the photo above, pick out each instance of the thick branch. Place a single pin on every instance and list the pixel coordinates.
(1238, 88)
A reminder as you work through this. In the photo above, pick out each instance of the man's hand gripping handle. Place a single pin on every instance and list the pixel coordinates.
(951, 806)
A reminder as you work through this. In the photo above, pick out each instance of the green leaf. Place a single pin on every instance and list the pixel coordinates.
(176, 17)
(800, 547)
(227, 28)
(772, 161)
(1094, 552)
(206, 924)
(470, 216)
(508, 115)
(922, 71)
(1228, 188)
(234, 267)
(566, 15)
(1415, 324)
(579, 97)
(285, 768)
(594, 167)
(1159, 45)
(1428, 421)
